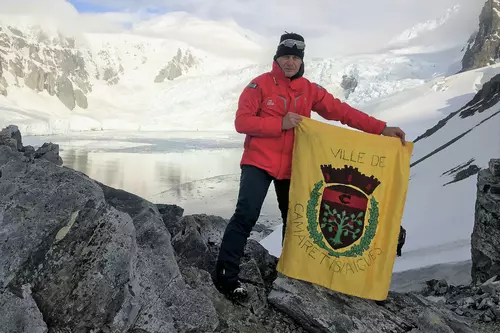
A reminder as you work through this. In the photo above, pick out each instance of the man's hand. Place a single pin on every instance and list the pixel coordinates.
(290, 120)
(395, 132)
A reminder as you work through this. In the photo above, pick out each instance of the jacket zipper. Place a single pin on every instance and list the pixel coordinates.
(286, 133)
(283, 142)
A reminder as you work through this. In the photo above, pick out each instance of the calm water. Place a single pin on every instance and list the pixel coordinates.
(198, 173)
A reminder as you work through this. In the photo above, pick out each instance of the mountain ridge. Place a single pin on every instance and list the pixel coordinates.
(483, 47)
(102, 80)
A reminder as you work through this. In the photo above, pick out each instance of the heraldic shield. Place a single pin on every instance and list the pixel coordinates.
(343, 207)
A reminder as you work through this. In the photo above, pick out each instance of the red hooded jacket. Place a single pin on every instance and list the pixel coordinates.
(265, 101)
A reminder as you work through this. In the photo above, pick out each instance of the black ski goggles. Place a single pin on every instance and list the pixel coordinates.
(293, 42)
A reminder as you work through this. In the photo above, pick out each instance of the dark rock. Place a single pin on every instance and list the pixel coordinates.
(491, 286)
(485, 241)
(195, 243)
(28, 151)
(253, 316)
(266, 263)
(436, 287)
(11, 137)
(114, 260)
(98, 259)
(483, 48)
(40, 204)
(494, 166)
(50, 152)
(8, 141)
(171, 215)
(20, 314)
(167, 305)
(321, 310)
(349, 84)
(484, 100)
(12, 132)
(462, 172)
(179, 65)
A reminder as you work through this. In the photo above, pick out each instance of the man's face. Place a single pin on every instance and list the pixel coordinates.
(290, 64)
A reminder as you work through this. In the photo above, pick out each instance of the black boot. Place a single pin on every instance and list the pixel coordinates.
(232, 289)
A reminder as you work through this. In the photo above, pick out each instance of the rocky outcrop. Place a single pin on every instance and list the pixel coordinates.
(65, 92)
(483, 48)
(79, 256)
(486, 234)
(81, 99)
(20, 313)
(110, 68)
(47, 64)
(3, 82)
(176, 67)
(349, 84)
(478, 302)
(11, 137)
(484, 101)
(90, 261)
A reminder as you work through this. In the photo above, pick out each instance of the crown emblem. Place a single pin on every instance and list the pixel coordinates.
(349, 175)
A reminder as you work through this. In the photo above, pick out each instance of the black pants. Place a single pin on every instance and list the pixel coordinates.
(254, 185)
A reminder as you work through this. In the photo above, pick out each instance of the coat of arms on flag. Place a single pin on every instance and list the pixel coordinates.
(347, 196)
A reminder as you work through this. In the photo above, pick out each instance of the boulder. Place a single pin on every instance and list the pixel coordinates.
(79, 256)
(485, 240)
(93, 258)
(11, 136)
(20, 313)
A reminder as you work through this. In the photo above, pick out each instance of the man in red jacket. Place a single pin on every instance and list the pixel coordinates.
(269, 108)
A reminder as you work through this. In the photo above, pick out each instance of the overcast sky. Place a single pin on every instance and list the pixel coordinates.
(337, 26)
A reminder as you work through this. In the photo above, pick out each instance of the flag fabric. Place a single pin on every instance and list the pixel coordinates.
(347, 195)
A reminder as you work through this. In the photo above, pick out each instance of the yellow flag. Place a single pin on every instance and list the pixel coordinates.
(347, 196)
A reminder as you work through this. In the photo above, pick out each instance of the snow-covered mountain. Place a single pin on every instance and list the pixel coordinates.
(425, 27)
(41, 62)
(177, 65)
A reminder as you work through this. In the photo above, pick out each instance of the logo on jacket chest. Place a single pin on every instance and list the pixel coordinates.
(281, 104)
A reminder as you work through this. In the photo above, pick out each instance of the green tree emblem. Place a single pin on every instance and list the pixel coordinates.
(342, 224)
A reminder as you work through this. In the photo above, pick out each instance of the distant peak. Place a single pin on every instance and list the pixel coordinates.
(222, 37)
(424, 27)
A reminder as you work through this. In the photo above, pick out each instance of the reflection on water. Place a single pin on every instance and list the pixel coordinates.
(149, 174)
(198, 171)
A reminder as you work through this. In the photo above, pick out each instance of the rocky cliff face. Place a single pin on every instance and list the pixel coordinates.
(349, 84)
(43, 63)
(68, 70)
(486, 233)
(110, 70)
(484, 47)
(79, 256)
(180, 64)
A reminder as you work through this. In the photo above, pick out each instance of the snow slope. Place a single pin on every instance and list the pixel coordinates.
(201, 99)
(425, 27)
(222, 38)
(439, 211)
(205, 95)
